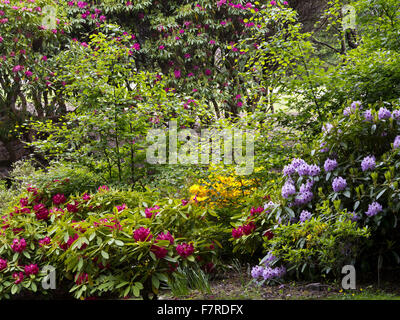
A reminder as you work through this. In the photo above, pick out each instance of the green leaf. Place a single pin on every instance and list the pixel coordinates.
(14, 289)
(119, 243)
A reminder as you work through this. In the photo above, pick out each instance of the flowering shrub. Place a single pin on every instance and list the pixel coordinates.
(100, 245)
(348, 183)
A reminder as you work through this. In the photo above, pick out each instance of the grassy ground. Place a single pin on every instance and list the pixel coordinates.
(238, 286)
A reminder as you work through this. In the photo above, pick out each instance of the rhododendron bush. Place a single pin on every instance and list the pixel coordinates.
(100, 248)
(27, 59)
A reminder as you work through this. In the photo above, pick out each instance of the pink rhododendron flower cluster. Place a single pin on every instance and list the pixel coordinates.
(31, 269)
(150, 212)
(45, 241)
(142, 234)
(41, 212)
(59, 199)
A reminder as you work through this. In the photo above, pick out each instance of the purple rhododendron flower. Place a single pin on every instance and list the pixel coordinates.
(326, 128)
(368, 115)
(305, 215)
(288, 189)
(303, 169)
(306, 187)
(396, 114)
(314, 170)
(303, 198)
(288, 170)
(396, 143)
(330, 165)
(373, 209)
(384, 113)
(257, 272)
(297, 162)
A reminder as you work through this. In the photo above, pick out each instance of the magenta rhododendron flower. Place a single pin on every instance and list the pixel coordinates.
(142, 234)
(86, 197)
(254, 211)
(159, 252)
(3, 264)
(120, 208)
(23, 202)
(185, 250)
(177, 74)
(45, 241)
(237, 232)
(41, 212)
(17, 68)
(150, 212)
(268, 234)
(103, 188)
(59, 199)
(166, 236)
(81, 278)
(70, 241)
(18, 276)
(248, 228)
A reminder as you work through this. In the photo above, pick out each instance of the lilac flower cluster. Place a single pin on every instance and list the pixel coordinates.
(384, 113)
(305, 215)
(373, 209)
(326, 128)
(323, 150)
(330, 165)
(396, 115)
(303, 198)
(268, 273)
(396, 143)
(302, 168)
(305, 195)
(288, 189)
(306, 187)
(368, 115)
(339, 184)
(368, 163)
(349, 110)
(354, 217)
